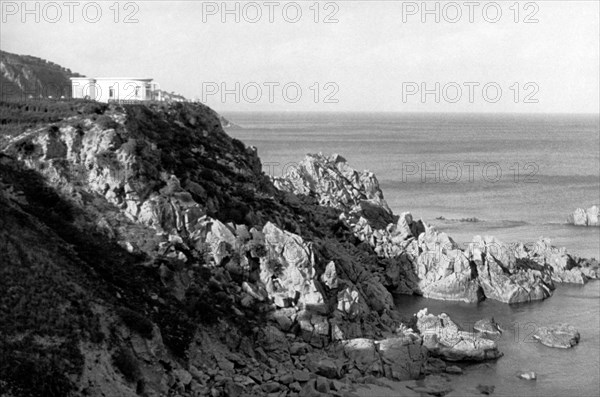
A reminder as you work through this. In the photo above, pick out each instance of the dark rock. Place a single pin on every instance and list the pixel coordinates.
(271, 387)
(286, 379)
(301, 376)
(322, 385)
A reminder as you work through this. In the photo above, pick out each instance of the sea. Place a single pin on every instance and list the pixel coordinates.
(512, 176)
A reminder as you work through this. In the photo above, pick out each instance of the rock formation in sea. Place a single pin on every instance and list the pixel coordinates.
(585, 217)
(444, 339)
(423, 260)
(563, 336)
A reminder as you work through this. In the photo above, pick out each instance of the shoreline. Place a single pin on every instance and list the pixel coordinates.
(573, 303)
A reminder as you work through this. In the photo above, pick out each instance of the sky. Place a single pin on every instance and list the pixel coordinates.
(375, 56)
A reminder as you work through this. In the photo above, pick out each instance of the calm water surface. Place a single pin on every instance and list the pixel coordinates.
(560, 372)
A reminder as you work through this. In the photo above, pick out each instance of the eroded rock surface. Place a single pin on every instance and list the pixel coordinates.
(560, 335)
(444, 339)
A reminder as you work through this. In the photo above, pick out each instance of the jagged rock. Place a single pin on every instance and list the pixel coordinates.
(275, 342)
(350, 302)
(329, 276)
(286, 379)
(295, 387)
(322, 385)
(322, 365)
(299, 348)
(403, 357)
(271, 387)
(584, 217)
(284, 317)
(443, 270)
(561, 335)
(505, 280)
(378, 298)
(363, 354)
(289, 269)
(221, 239)
(564, 268)
(309, 390)
(443, 338)
(333, 182)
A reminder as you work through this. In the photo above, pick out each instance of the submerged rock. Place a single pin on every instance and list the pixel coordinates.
(561, 335)
(487, 326)
(443, 338)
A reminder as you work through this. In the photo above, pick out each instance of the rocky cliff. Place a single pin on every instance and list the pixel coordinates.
(167, 262)
(145, 252)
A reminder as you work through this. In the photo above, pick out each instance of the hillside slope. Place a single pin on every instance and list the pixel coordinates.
(24, 76)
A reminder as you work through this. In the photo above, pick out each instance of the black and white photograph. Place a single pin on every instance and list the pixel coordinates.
(309, 198)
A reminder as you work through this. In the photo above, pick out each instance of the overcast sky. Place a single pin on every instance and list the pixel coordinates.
(375, 56)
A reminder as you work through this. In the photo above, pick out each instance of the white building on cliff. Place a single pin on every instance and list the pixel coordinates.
(121, 89)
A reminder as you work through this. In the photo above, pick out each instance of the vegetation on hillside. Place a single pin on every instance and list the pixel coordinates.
(25, 76)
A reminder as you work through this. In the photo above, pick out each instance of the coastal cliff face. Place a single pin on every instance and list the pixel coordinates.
(169, 263)
(145, 252)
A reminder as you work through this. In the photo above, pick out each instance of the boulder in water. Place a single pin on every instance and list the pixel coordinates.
(562, 336)
(585, 217)
(528, 375)
(444, 339)
(487, 326)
